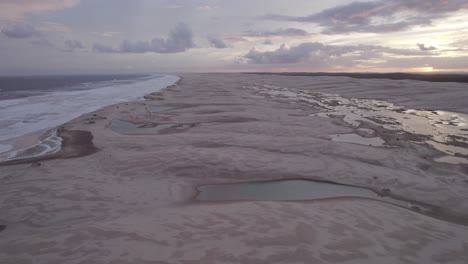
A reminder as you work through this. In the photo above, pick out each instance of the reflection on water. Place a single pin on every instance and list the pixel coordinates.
(280, 191)
(443, 130)
(294, 190)
(357, 139)
(308, 190)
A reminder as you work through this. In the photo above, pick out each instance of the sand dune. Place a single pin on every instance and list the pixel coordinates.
(133, 200)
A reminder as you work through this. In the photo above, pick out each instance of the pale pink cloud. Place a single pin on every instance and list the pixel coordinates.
(13, 9)
(207, 8)
(53, 26)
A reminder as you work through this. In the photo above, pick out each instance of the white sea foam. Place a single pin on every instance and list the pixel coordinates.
(19, 117)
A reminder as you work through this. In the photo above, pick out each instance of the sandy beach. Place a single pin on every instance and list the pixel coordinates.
(124, 187)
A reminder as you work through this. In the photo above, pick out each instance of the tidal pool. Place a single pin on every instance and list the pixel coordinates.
(443, 130)
(285, 190)
(309, 190)
(357, 139)
(281, 190)
(292, 190)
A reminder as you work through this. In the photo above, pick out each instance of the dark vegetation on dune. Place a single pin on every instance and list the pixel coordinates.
(442, 77)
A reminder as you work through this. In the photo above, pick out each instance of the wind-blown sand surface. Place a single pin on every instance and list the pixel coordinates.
(134, 199)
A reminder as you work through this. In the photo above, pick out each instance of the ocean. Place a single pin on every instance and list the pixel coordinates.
(33, 106)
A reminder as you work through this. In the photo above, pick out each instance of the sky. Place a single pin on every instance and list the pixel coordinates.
(148, 36)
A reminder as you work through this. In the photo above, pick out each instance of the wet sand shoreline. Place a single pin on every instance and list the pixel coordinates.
(133, 200)
(75, 144)
(30, 122)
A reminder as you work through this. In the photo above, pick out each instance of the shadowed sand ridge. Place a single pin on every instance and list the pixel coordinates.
(134, 200)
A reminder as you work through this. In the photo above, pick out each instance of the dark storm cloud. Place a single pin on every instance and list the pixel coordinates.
(316, 51)
(379, 16)
(217, 42)
(19, 30)
(424, 48)
(180, 39)
(288, 32)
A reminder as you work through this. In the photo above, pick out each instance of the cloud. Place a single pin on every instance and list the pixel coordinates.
(72, 45)
(19, 30)
(217, 42)
(460, 44)
(268, 42)
(43, 42)
(107, 34)
(101, 48)
(207, 8)
(283, 55)
(437, 63)
(180, 39)
(380, 16)
(18, 8)
(236, 38)
(173, 6)
(288, 32)
(424, 48)
(319, 52)
(24, 31)
(53, 26)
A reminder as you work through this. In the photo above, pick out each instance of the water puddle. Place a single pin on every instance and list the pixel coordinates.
(443, 130)
(357, 139)
(288, 190)
(307, 190)
(128, 128)
(366, 131)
